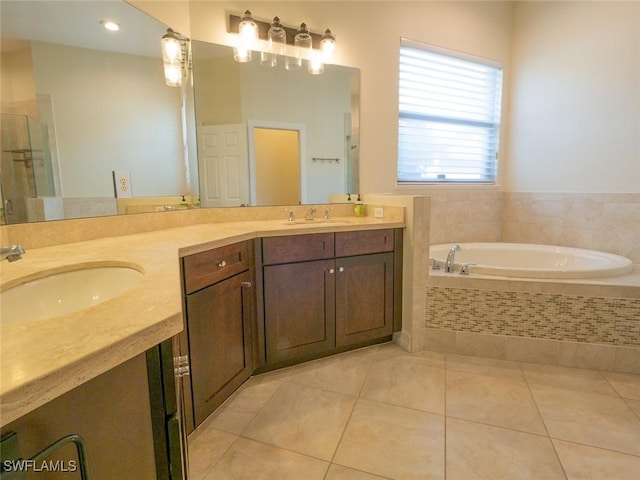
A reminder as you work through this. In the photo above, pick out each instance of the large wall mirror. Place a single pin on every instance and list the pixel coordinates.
(85, 111)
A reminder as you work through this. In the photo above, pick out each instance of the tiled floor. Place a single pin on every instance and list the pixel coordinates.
(381, 412)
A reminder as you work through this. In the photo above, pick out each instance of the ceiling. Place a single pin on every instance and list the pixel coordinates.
(77, 23)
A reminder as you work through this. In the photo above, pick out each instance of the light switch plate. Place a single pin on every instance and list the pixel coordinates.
(378, 212)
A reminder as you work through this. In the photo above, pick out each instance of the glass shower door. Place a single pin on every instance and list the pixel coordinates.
(25, 168)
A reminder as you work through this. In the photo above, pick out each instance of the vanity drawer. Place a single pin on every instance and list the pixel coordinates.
(206, 268)
(363, 242)
(297, 248)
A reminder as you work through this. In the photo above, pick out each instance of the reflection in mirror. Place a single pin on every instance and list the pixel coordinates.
(271, 136)
(80, 103)
(85, 111)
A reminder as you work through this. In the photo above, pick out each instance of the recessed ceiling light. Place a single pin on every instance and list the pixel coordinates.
(109, 25)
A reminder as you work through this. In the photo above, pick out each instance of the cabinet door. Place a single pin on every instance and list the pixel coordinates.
(219, 323)
(299, 310)
(364, 298)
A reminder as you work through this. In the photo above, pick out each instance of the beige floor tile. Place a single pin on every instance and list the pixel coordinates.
(302, 419)
(476, 451)
(406, 384)
(483, 366)
(205, 449)
(249, 460)
(567, 377)
(501, 401)
(390, 351)
(239, 410)
(393, 442)
(340, 373)
(588, 463)
(626, 384)
(588, 418)
(338, 472)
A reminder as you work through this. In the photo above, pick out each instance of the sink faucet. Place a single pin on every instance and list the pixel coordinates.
(451, 258)
(309, 215)
(11, 253)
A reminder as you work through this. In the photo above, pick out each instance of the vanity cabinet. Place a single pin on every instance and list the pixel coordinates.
(220, 311)
(127, 416)
(329, 292)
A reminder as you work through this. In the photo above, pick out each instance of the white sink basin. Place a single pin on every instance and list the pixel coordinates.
(61, 293)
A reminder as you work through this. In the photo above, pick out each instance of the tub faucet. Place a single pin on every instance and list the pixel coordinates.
(309, 215)
(11, 253)
(451, 257)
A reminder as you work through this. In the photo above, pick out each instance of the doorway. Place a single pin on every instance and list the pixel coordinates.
(276, 163)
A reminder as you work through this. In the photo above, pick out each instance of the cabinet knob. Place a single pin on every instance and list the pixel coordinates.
(222, 264)
(341, 269)
(246, 284)
(331, 270)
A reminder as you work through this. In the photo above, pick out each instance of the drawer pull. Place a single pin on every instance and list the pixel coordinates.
(222, 264)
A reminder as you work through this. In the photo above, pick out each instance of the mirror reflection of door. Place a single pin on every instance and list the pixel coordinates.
(223, 166)
(276, 166)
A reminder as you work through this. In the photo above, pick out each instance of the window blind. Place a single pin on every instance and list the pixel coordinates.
(449, 117)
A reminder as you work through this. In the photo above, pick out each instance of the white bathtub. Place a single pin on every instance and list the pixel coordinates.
(534, 261)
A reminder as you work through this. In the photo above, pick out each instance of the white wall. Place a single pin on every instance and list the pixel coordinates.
(110, 116)
(575, 121)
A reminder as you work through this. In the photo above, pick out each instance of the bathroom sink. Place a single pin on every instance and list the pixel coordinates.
(63, 292)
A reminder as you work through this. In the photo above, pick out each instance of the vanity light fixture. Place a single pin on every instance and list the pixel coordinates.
(174, 57)
(110, 25)
(315, 48)
(248, 35)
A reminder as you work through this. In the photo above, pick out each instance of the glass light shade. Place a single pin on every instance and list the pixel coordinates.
(248, 30)
(171, 47)
(316, 67)
(172, 74)
(328, 46)
(241, 54)
(277, 39)
(302, 41)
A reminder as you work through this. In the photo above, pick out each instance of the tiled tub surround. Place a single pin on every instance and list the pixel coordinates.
(588, 324)
(608, 222)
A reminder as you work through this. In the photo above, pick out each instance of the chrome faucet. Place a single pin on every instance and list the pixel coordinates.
(451, 257)
(11, 253)
(309, 215)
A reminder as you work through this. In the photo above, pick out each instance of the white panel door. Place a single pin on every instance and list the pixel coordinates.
(223, 164)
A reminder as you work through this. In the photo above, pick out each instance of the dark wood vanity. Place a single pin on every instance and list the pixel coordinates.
(259, 305)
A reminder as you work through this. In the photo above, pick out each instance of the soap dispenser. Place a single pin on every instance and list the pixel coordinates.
(358, 208)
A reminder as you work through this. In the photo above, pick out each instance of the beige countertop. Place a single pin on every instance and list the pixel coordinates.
(44, 359)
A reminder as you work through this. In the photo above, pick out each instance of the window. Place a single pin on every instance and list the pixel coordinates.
(449, 116)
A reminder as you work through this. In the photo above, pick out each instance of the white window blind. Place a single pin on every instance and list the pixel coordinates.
(449, 117)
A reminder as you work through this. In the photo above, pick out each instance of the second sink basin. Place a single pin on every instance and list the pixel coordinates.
(65, 292)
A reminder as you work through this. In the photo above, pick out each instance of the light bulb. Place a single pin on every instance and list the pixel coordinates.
(316, 67)
(248, 30)
(172, 74)
(241, 54)
(171, 47)
(328, 46)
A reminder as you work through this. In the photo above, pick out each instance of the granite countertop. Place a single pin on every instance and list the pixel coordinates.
(44, 359)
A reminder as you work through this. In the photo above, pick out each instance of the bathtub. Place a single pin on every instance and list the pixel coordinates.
(533, 261)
